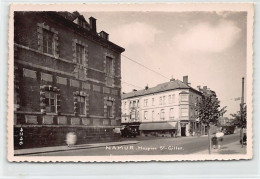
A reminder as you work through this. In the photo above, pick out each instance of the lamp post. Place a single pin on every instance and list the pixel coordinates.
(241, 111)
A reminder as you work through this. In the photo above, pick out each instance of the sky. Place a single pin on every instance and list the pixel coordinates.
(209, 47)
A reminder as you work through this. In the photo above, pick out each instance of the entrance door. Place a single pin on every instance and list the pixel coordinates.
(183, 131)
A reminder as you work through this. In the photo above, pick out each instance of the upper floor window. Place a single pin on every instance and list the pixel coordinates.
(134, 102)
(184, 112)
(51, 102)
(109, 65)
(145, 102)
(184, 97)
(80, 53)
(152, 101)
(164, 100)
(153, 115)
(48, 41)
(171, 113)
(145, 115)
(109, 108)
(170, 99)
(173, 98)
(160, 100)
(162, 114)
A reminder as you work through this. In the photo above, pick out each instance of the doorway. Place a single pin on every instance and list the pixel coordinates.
(183, 131)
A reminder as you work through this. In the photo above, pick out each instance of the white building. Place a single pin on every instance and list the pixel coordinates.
(166, 109)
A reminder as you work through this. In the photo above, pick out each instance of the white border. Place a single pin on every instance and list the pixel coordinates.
(177, 7)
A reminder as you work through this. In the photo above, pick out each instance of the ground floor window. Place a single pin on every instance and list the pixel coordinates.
(109, 108)
(82, 105)
(51, 102)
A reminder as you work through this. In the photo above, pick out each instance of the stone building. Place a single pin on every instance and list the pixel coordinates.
(67, 78)
(166, 109)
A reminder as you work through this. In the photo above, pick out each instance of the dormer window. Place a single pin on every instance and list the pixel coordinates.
(80, 20)
(104, 35)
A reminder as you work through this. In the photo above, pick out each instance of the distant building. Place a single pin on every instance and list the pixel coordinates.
(166, 109)
(67, 78)
(225, 121)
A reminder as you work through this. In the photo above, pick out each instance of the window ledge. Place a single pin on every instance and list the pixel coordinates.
(52, 114)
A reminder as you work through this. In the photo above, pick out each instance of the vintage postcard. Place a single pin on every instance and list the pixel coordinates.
(130, 82)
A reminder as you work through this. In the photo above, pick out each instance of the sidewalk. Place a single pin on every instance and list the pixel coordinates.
(231, 148)
(66, 148)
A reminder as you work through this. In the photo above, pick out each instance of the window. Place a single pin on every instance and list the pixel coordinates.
(145, 102)
(160, 100)
(124, 105)
(196, 101)
(153, 101)
(171, 113)
(109, 108)
(164, 101)
(51, 102)
(184, 97)
(134, 102)
(173, 98)
(145, 115)
(170, 99)
(184, 112)
(153, 115)
(137, 104)
(80, 53)
(109, 66)
(132, 115)
(82, 105)
(162, 114)
(48, 42)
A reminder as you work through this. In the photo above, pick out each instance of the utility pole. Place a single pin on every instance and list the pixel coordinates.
(241, 111)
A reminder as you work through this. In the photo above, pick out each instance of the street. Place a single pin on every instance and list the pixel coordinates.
(149, 146)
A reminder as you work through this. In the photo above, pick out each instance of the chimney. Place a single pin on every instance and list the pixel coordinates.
(92, 22)
(185, 80)
(146, 87)
(198, 87)
(172, 79)
(134, 90)
(104, 35)
(205, 87)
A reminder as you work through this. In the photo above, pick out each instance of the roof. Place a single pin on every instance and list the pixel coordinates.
(171, 85)
(72, 16)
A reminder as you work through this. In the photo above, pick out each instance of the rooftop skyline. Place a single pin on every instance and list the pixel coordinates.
(209, 47)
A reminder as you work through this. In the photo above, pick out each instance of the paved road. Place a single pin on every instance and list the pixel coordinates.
(149, 146)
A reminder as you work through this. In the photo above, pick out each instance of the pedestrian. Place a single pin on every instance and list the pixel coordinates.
(214, 141)
(219, 136)
(71, 139)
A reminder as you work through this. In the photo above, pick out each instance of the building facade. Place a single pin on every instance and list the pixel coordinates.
(166, 109)
(67, 78)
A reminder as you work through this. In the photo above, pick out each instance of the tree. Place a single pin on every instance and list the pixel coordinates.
(209, 111)
(240, 118)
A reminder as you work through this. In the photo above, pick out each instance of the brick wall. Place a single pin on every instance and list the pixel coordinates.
(34, 69)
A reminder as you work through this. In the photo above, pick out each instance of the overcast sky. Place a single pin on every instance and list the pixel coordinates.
(209, 47)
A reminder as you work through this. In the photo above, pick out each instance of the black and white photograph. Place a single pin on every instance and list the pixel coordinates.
(130, 82)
